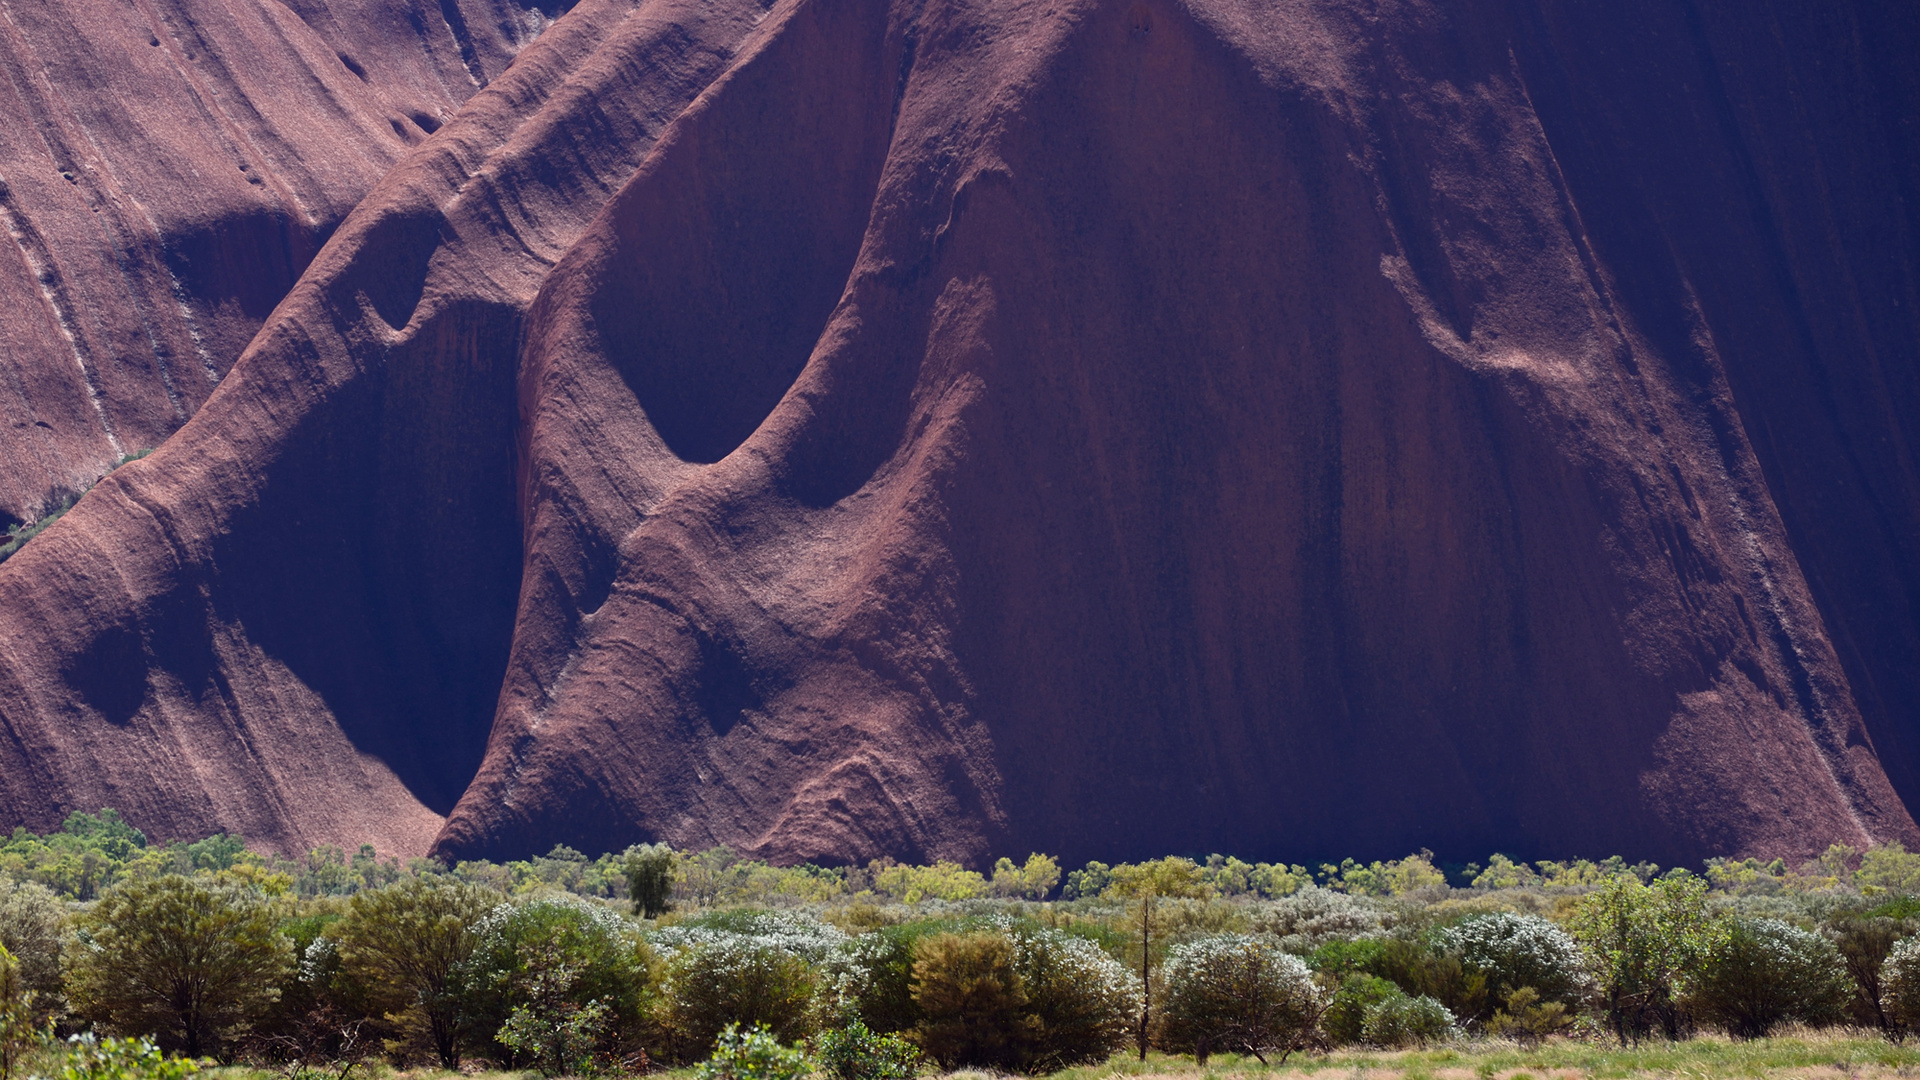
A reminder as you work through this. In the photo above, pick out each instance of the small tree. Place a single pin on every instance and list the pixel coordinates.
(733, 979)
(405, 942)
(1235, 992)
(178, 959)
(1643, 943)
(554, 979)
(1864, 942)
(650, 869)
(753, 1055)
(1518, 951)
(1146, 882)
(1033, 881)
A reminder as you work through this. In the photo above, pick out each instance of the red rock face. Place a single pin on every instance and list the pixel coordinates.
(1106, 428)
(167, 169)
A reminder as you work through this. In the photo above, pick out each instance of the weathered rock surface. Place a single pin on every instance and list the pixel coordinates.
(1105, 427)
(167, 169)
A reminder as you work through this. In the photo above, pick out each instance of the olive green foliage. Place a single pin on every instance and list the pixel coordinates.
(32, 923)
(184, 961)
(1082, 999)
(554, 980)
(1422, 968)
(1762, 973)
(754, 1054)
(941, 881)
(1643, 945)
(856, 1052)
(1525, 1018)
(1401, 878)
(1345, 1020)
(88, 1057)
(1864, 939)
(405, 943)
(1234, 992)
(972, 1003)
(1408, 1021)
(1900, 986)
(649, 870)
(881, 965)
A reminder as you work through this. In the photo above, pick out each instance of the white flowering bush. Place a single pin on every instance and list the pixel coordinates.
(1314, 916)
(553, 982)
(1900, 984)
(764, 969)
(1515, 951)
(1083, 1001)
(1238, 993)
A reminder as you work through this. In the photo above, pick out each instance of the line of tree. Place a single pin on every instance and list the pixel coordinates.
(208, 949)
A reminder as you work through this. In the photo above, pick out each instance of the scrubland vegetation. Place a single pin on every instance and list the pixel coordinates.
(124, 958)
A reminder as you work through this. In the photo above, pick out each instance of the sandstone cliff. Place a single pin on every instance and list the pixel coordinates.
(1104, 427)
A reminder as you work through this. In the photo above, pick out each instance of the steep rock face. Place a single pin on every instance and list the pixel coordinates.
(295, 628)
(168, 168)
(1108, 428)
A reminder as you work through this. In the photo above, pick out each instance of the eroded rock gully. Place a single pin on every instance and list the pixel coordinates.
(942, 429)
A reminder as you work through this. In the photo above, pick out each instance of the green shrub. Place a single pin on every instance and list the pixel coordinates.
(1346, 1017)
(1408, 1021)
(553, 980)
(726, 979)
(1422, 970)
(752, 1055)
(1527, 1019)
(1763, 973)
(171, 957)
(91, 1058)
(1084, 1001)
(1864, 940)
(404, 944)
(1515, 951)
(854, 1052)
(649, 870)
(972, 1004)
(1643, 943)
(1233, 992)
(18, 1034)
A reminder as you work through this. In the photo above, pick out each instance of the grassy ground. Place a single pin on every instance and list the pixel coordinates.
(1815, 1055)
(1802, 1055)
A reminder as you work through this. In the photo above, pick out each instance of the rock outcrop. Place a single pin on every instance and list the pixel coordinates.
(1104, 427)
(167, 170)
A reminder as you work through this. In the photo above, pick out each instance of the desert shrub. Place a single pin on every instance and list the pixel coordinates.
(1863, 941)
(1408, 1021)
(178, 959)
(32, 922)
(17, 1032)
(1763, 973)
(752, 1055)
(1900, 985)
(1515, 951)
(1421, 968)
(878, 975)
(404, 944)
(1643, 943)
(554, 980)
(1314, 916)
(855, 1052)
(322, 1016)
(649, 870)
(1233, 992)
(724, 979)
(1033, 881)
(1084, 1001)
(972, 1004)
(88, 1057)
(1346, 1017)
(1527, 1019)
